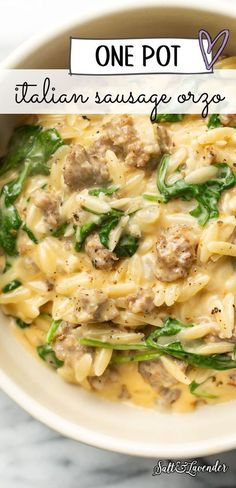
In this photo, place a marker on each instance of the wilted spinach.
(29, 149)
(207, 194)
(47, 354)
(170, 327)
(60, 230)
(8, 265)
(214, 121)
(169, 118)
(32, 160)
(109, 222)
(85, 341)
(32, 144)
(127, 246)
(10, 223)
(52, 330)
(29, 233)
(197, 390)
(11, 286)
(213, 361)
(108, 190)
(19, 147)
(152, 349)
(22, 324)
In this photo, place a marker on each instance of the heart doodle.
(203, 34)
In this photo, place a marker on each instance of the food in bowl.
(118, 253)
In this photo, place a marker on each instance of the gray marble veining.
(31, 455)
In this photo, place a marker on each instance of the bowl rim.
(109, 442)
(34, 42)
(11, 388)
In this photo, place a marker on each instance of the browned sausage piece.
(134, 140)
(142, 301)
(176, 252)
(228, 120)
(164, 140)
(155, 374)
(49, 204)
(100, 256)
(82, 170)
(168, 396)
(94, 305)
(66, 343)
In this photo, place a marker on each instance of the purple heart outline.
(204, 34)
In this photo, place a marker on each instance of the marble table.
(31, 455)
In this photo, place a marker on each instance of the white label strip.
(137, 56)
(55, 91)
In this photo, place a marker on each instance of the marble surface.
(31, 455)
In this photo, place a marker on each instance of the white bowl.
(68, 409)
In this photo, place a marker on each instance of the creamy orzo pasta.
(118, 256)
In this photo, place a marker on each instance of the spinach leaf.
(114, 212)
(175, 349)
(195, 389)
(207, 194)
(32, 144)
(19, 146)
(127, 246)
(109, 221)
(169, 117)
(60, 230)
(178, 189)
(11, 286)
(29, 150)
(52, 331)
(47, 354)
(106, 227)
(214, 121)
(45, 314)
(82, 232)
(152, 349)
(180, 168)
(145, 356)
(29, 233)
(93, 212)
(45, 144)
(22, 324)
(109, 190)
(104, 224)
(10, 223)
(148, 355)
(11, 190)
(213, 361)
(7, 266)
(85, 341)
(153, 197)
(170, 327)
